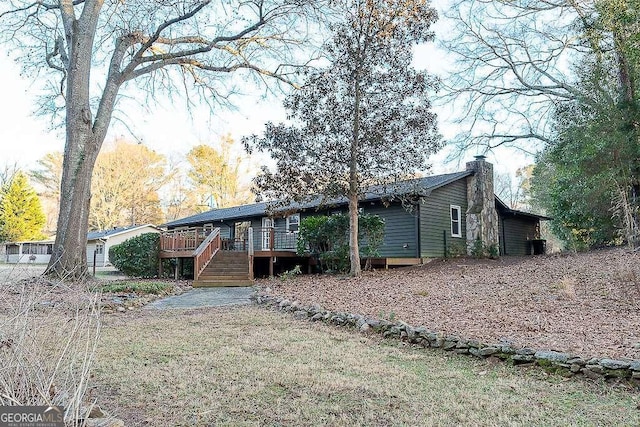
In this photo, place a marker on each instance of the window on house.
(456, 230)
(293, 223)
(36, 248)
(240, 228)
(99, 248)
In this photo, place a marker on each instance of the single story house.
(98, 244)
(428, 217)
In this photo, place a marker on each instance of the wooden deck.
(204, 244)
(198, 243)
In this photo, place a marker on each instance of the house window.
(37, 248)
(240, 229)
(456, 230)
(99, 248)
(293, 223)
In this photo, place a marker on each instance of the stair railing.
(205, 252)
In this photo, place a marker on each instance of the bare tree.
(558, 76)
(515, 190)
(7, 173)
(98, 47)
(126, 181)
(47, 177)
(513, 63)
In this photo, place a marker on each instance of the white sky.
(171, 130)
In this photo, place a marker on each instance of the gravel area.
(586, 304)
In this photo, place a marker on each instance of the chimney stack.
(482, 217)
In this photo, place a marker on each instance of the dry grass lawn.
(250, 366)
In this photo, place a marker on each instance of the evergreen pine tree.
(21, 215)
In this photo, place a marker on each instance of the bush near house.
(327, 237)
(137, 256)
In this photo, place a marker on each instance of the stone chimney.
(482, 217)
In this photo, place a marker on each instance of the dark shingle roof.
(105, 234)
(506, 210)
(419, 186)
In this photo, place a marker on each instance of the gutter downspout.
(417, 225)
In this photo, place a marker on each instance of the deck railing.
(183, 240)
(274, 239)
(206, 251)
(256, 240)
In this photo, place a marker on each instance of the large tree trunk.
(69, 258)
(82, 145)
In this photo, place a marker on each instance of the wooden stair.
(227, 268)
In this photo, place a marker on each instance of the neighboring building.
(424, 218)
(39, 252)
(35, 252)
(99, 242)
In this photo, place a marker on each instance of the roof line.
(245, 211)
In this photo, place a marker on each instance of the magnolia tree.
(363, 120)
(95, 49)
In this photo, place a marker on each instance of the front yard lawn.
(250, 366)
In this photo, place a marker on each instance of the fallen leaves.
(585, 303)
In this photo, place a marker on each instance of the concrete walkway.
(205, 297)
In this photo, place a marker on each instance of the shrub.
(336, 260)
(327, 237)
(455, 250)
(480, 250)
(138, 256)
(477, 249)
(290, 274)
(371, 228)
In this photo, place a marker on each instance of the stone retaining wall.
(553, 361)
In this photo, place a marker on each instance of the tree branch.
(146, 44)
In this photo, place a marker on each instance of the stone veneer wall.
(481, 215)
(554, 361)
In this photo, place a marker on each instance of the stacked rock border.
(552, 361)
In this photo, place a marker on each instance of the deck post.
(272, 238)
(250, 251)
(270, 266)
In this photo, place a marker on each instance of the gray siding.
(225, 229)
(256, 224)
(400, 230)
(515, 234)
(435, 219)
(400, 227)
